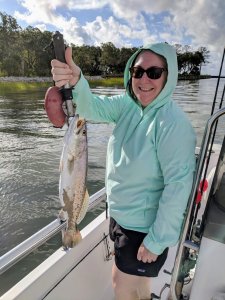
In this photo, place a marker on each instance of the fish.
(73, 194)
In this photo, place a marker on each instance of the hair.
(129, 83)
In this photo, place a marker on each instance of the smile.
(145, 89)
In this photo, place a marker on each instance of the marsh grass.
(21, 86)
(107, 82)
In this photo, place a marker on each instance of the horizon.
(129, 24)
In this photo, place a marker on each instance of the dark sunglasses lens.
(137, 72)
(154, 73)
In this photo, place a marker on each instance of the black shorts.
(126, 245)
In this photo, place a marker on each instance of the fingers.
(61, 73)
(139, 254)
(61, 78)
(145, 255)
(61, 69)
(61, 83)
(58, 64)
(65, 73)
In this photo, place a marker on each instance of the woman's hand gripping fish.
(72, 185)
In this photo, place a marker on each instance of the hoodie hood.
(169, 53)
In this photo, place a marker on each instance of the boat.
(194, 269)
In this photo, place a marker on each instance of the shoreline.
(89, 78)
(25, 79)
(38, 79)
(32, 83)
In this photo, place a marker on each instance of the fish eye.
(84, 132)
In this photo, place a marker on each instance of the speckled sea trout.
(72, 184)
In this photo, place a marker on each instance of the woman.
(150, 162)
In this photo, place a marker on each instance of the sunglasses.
(152, 72)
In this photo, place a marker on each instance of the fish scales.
(73, 193)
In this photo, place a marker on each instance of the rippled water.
(30, 150)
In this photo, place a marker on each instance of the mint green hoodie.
(150, 159)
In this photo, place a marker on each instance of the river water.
(30, 149)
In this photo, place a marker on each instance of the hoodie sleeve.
(176, 154)
(94, 107)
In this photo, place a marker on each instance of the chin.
(145, 102)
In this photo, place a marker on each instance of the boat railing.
(39, 238)
(183, 242)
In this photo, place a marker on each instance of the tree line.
(25, 52)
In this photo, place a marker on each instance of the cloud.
(73, 32)
(45, 11)
(95, 32)
(130, 10)
(37, 11)
(201, 20)
(119, 34)
(86, 4)
(196, 22)
(66, 4)
(42, 27)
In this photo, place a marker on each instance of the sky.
(127, 23)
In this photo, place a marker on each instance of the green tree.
(22, 53)
(43, 54)
(88, 59)
(124, 55)
(190, 62)
(179, 48)
(36, 61)
(9, 45)
(110, 58)
(195, 61)
(205, 54)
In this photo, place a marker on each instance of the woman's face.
(146, 89)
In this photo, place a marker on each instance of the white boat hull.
(84, 273)
(80, 273)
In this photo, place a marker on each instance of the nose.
(145, 77)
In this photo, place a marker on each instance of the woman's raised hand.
(64, 73)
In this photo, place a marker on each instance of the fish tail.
(71, 238)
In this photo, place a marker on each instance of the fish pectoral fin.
(63, 215)
(83, 208)
(70, 157)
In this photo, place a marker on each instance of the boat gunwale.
(26, 247)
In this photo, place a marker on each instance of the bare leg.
(129, 287)
(144, 288)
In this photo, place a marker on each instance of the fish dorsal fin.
(83, 208)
